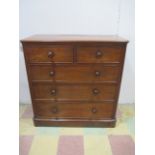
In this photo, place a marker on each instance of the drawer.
(100, 54)
(75, 73)
(74, 110)
(49, 54)
(74, 92)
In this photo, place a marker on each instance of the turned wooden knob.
(96, 91)
(97, 73)
(52, 73)
(94, 110)
(99, 54)
(53, 91)
(51, 54)
(54, 110)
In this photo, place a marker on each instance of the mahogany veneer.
(74, 80)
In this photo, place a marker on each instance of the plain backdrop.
(110, 17)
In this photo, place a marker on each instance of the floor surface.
(78, 141)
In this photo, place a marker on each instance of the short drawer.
(74, 110)
(49, 54)
(100, 54)
(75, 73)
(74, 92)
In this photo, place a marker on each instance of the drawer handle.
(96, 91)
(51, 54)
(54, 110)
(97, 73)
(53, 92)
(94, 110)
(99, 54)
(52, 73)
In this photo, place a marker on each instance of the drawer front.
(75, 73)
(79, 92)
(58, 110)
(49, 54)
(99, 54)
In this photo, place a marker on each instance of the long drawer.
(74, 110)
(75, 92)
(75, 73)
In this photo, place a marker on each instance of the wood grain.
(74, 110)
(77, 92)
(74, 80)
(85, 73)
(41, 54)
(108, 54)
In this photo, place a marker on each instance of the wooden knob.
(99, 54)
(52, 73)
(97, 73)
(53, 91)
(54, 110)
(51, 54)
(96, 91)
(94, 110)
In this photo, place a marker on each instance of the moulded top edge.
(74, 38)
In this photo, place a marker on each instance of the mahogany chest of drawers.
(74, 80)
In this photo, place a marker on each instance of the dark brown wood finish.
(88, 110)
(74, 80)
(100, 54)
(84, 73)
(55, 53)
(76, 92)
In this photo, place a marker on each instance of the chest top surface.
(74, 38)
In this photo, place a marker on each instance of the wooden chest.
(74, 80)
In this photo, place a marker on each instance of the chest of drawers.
(74, 80)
